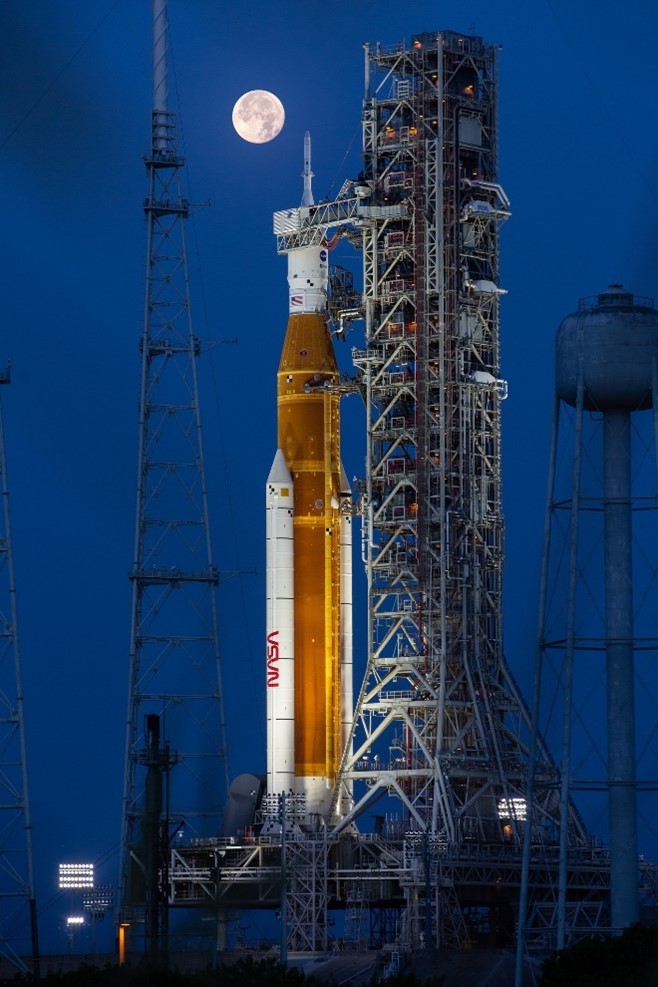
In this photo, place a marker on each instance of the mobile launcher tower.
(437, 749)
(439, 723)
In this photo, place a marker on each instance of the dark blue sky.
(578, 154)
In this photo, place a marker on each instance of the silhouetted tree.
(631, 958)
(244, 972)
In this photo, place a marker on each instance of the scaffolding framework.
(174, 651)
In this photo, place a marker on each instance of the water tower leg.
(620, 670)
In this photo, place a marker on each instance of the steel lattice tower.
(175, 760)
(440, 724)
(437, 685)
(18, 920)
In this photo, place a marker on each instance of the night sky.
(578, 137)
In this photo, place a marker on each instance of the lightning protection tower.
(175, 757)
(441, 732)
(18, 918)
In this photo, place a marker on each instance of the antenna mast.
(18, 917)
(180, 783)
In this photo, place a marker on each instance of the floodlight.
(512, 808)
(99, 900)
(73, 877)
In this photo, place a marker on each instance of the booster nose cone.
(279, 472)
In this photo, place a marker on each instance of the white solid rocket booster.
(280, 629)
(346, 669)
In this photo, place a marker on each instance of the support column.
(620, 670)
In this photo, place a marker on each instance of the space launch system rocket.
(309, 553)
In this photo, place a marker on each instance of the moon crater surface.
(258, 116)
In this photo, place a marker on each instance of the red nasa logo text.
(272, 659)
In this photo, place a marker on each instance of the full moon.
(258, 116)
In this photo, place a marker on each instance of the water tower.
(597, 620)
